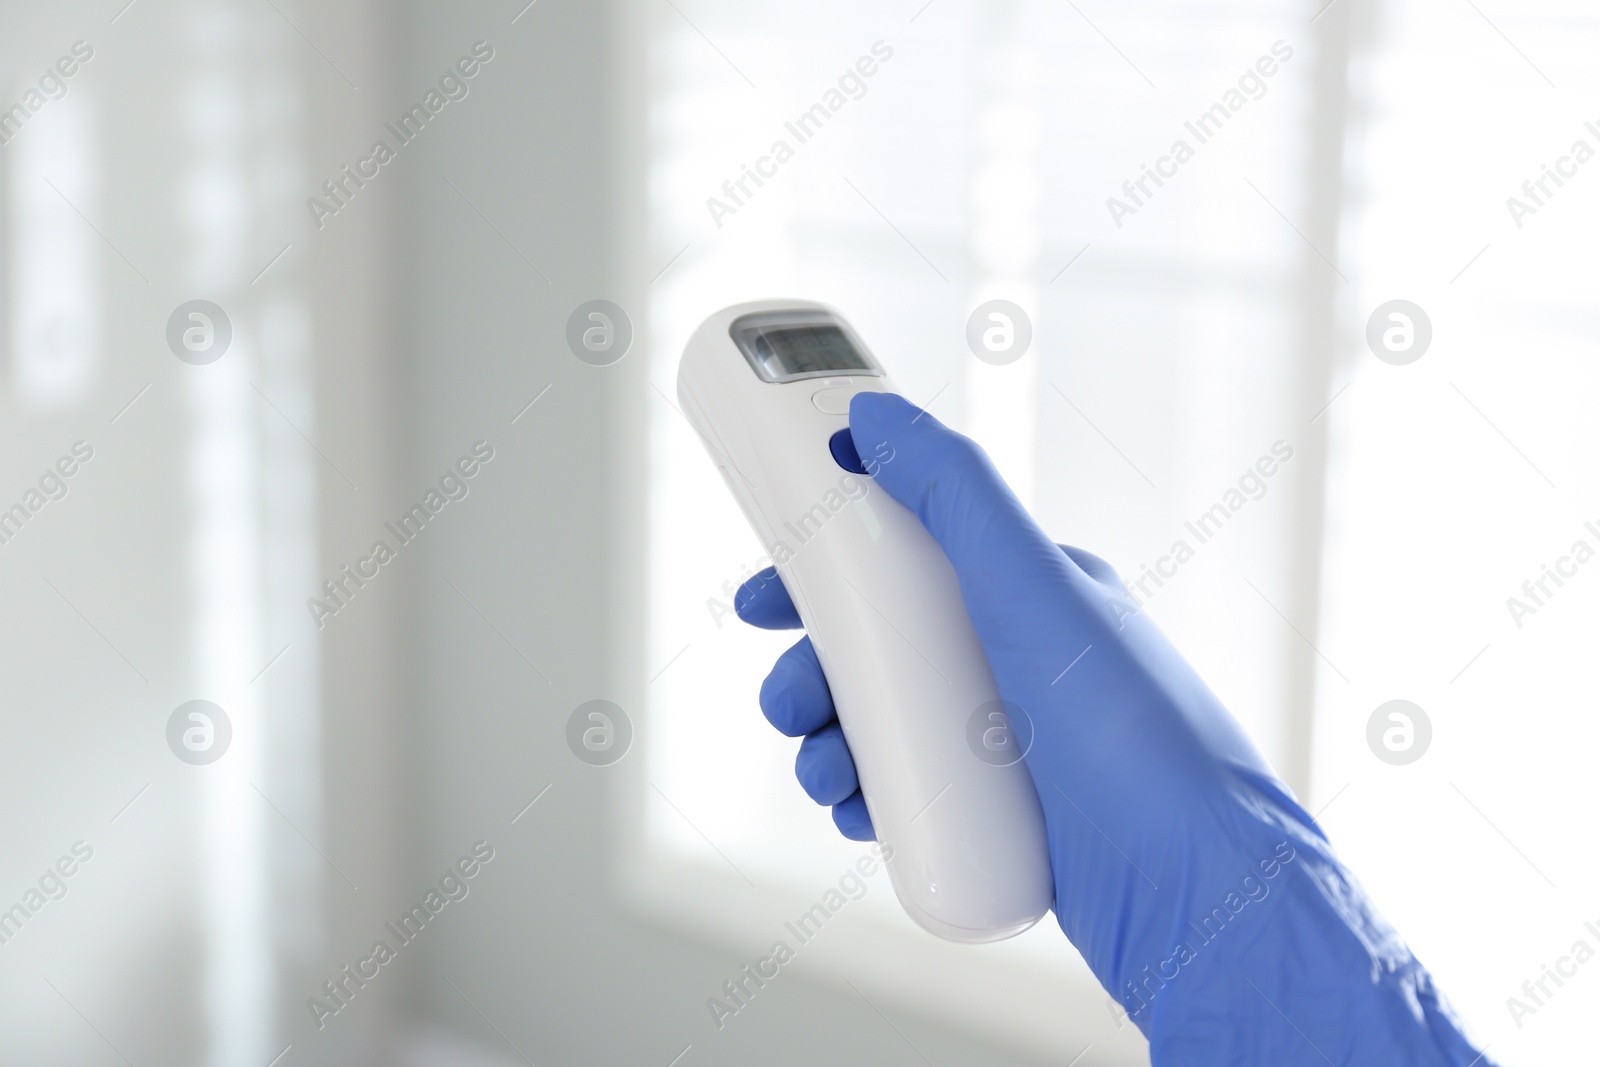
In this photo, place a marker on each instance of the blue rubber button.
(844, 452)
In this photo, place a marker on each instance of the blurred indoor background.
(370, 323)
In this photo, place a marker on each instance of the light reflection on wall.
(56, 258)
(224, 480)
(1001, 402)
(253, 489)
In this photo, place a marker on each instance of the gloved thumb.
(1006, 565)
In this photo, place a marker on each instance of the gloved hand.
(1202, 895)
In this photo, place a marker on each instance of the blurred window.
(976, 162)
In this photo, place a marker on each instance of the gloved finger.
(824, 766)
(763, 601)
(1094, 566)
(795, 696)
(850, 816)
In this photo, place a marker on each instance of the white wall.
(175, 167)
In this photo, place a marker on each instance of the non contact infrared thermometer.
(768, 387)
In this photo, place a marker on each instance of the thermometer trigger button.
(833, 401)
(843, 447)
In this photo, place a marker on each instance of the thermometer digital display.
(788, 347)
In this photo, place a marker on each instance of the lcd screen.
(783, 351)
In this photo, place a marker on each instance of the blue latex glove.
(1200, 892)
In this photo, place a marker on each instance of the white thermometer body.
(768, 387)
